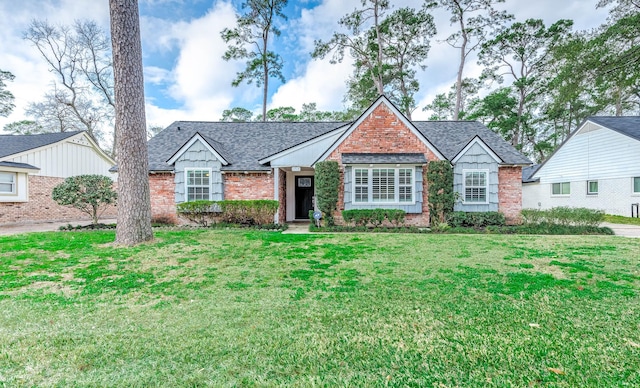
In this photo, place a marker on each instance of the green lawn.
(621, 220)
(236, 308)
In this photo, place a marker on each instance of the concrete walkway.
(624, 230)
(297, 228)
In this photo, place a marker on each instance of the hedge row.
(563, 215)
(245, 212)
(475, 219)
(373, 217)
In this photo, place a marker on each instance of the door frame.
(291, 192)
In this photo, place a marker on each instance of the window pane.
(6, 188)
(7, 182)
(636, 184)
(475, 186)
(566, 188)
(197, 185)
(592, 187)
(383, 185)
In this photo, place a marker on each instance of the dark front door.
(304, 196)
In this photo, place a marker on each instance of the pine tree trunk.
(134, 205)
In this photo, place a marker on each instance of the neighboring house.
(382, 158)
(597, 166)
(32, 165)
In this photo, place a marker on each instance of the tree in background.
(386, 51)
(522, 53)
(88, 193)
(134, 204)
(250, 40)
(6, 97)
(443, 105)
(477, 21)
(236, 114)
(81, 97)
(24, 127)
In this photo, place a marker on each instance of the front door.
(304, 196)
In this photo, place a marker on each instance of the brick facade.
(510, 193)
(163, 204)
(282, 197)
(41, 207)
(384, 132)
(248, 186)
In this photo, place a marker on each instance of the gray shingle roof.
(243, 144)
(450, 137)
(627, 125)
(14, 144)
(18, 165)
(527, 173)
(357, 158)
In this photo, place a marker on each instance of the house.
(32, 165)
(597, 167)
(382, 158)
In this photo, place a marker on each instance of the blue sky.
(186, 78)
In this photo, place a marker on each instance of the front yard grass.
(250, 308)
(621, 220)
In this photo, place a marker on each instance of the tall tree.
(476, 20)
(443, 105)
(406, 35)
(80, 59)
(387, 49)
(522, 53)
(363, 40)
(250, 40)
(134, 204)
(236, 114)
(6, 97)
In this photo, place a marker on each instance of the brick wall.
(510, 193)
(163, 205)
(248, 186)
(41, 207)
(384, 132)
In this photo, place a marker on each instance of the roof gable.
(15, 144)
(625, 125)
(210, 144)
(477, 140)
(382, 100)
(18, 145)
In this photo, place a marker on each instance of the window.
(383, 185)
(636, 185)
(198, 184)
(561, 188)
(8, 182)
(592, 187)
(475, 186)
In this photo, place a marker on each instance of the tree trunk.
(463, 59)
(134, 205)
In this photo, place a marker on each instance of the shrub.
(201, 212)
(327, 181)
(475, 219)
(373, 217)
(563, 215)
(88, 193)
(246, 212)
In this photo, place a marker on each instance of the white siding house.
(597, 167)
(31, 165)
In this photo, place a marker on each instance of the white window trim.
(14, 184)
(560, 183)
(589, 192)
(186, 182)
(464, 186)
(633, 191)
(396, 183)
